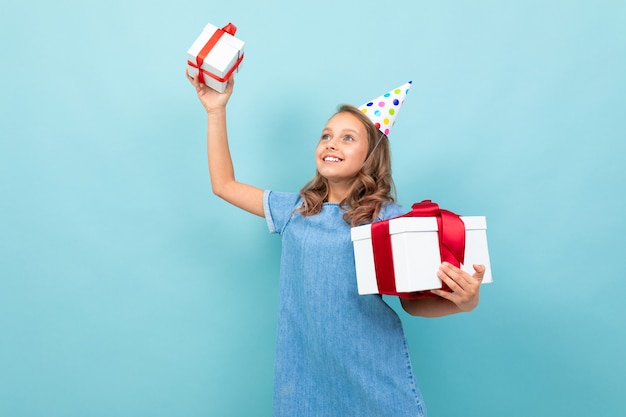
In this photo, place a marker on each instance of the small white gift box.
(219, 54)
(416, 256)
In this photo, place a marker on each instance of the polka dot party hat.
(383, 110)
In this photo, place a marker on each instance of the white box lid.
(361, 232)
(429, 224)
(416, 224)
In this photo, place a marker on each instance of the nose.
(331, 144)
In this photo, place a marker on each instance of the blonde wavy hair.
(372, 186)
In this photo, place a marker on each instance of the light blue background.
(128, 289)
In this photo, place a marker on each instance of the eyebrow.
(347, 130)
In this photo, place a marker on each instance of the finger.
(444, 294)
(460, 278)
(197, 84)
(450, 277)
(230, 84)
(480, 272)
(191, 79)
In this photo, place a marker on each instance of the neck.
(337, 192)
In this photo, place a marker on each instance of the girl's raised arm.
(221, 169)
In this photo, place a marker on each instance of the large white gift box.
(416, 256)
(220, 54)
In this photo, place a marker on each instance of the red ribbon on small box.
(451, 233)
(230, 29)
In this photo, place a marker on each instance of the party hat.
(383, 110)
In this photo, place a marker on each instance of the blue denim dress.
(338, 353)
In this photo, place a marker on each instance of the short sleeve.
(390, 211)
(279, 208)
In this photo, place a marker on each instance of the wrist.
(212, 112)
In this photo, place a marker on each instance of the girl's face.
(342, 148)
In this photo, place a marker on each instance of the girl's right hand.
(212, 100)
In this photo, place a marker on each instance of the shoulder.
(389, 211)
(278, 208)
(281, 200)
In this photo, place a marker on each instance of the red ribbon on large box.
(451, 233)
(230, 29)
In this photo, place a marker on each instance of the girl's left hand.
(465, 287)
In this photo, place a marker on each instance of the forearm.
(429, 307)
(218, 153)
(221, 169)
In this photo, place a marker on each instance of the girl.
(338, 353)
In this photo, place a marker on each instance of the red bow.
(451, 233)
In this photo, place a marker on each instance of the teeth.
(331, 159)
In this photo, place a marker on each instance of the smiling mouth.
(332, 159)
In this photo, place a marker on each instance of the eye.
(348, 138)
(325, 137)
